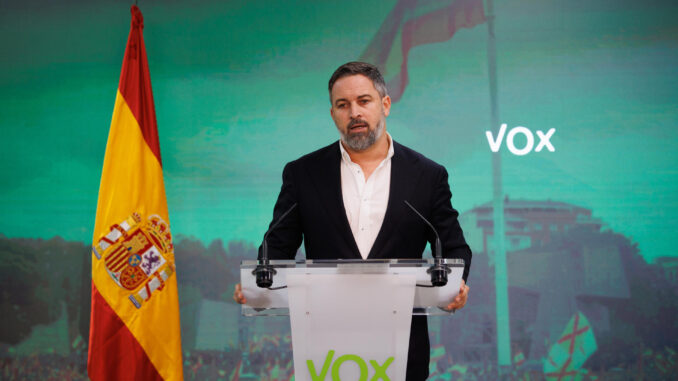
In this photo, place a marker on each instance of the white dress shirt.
(365, 201)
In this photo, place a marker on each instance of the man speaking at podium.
(350, 196)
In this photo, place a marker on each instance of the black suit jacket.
(313, 182)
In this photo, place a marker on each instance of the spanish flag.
(412, 23)
(134, 322)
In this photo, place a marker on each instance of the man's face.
(358, 111)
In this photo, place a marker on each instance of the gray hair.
(352, 68)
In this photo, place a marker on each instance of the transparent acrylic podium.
(350, 319)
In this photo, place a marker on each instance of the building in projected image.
(669, 266)
(559, 261)
(528, 223)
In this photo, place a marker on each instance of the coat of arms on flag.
(138, 255)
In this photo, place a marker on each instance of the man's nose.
(355, 111)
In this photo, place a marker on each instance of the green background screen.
(240, 88)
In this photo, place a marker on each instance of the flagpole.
(500, 268)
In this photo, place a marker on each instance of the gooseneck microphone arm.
(437, 249)
(439, 270)
(264, 271)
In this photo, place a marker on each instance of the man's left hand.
(459, 300)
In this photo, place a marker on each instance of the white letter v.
(495, 144)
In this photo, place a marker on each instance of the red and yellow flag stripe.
(134, 328)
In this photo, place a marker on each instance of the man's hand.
(239, 297)
(459, 300)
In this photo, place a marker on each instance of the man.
(351, 196)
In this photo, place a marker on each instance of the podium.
(350, 319)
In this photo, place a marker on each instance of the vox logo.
(544, 140)
(379, 370)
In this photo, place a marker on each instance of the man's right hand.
(238, 296)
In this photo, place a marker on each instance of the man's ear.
(386, 103)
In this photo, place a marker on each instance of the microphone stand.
(264, 271)
(439, 270)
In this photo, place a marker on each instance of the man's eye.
(341, 105)
(364, 101)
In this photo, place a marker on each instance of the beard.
(361, 141)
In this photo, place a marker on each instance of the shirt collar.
(347, 158)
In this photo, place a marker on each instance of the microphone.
(264, 271)
(439, 270)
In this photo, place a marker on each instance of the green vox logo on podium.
(379, 370)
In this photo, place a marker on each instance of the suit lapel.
(403, 181)
(326, 178)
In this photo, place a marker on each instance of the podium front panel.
(350, 326)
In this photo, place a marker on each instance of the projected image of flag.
(412, 23)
